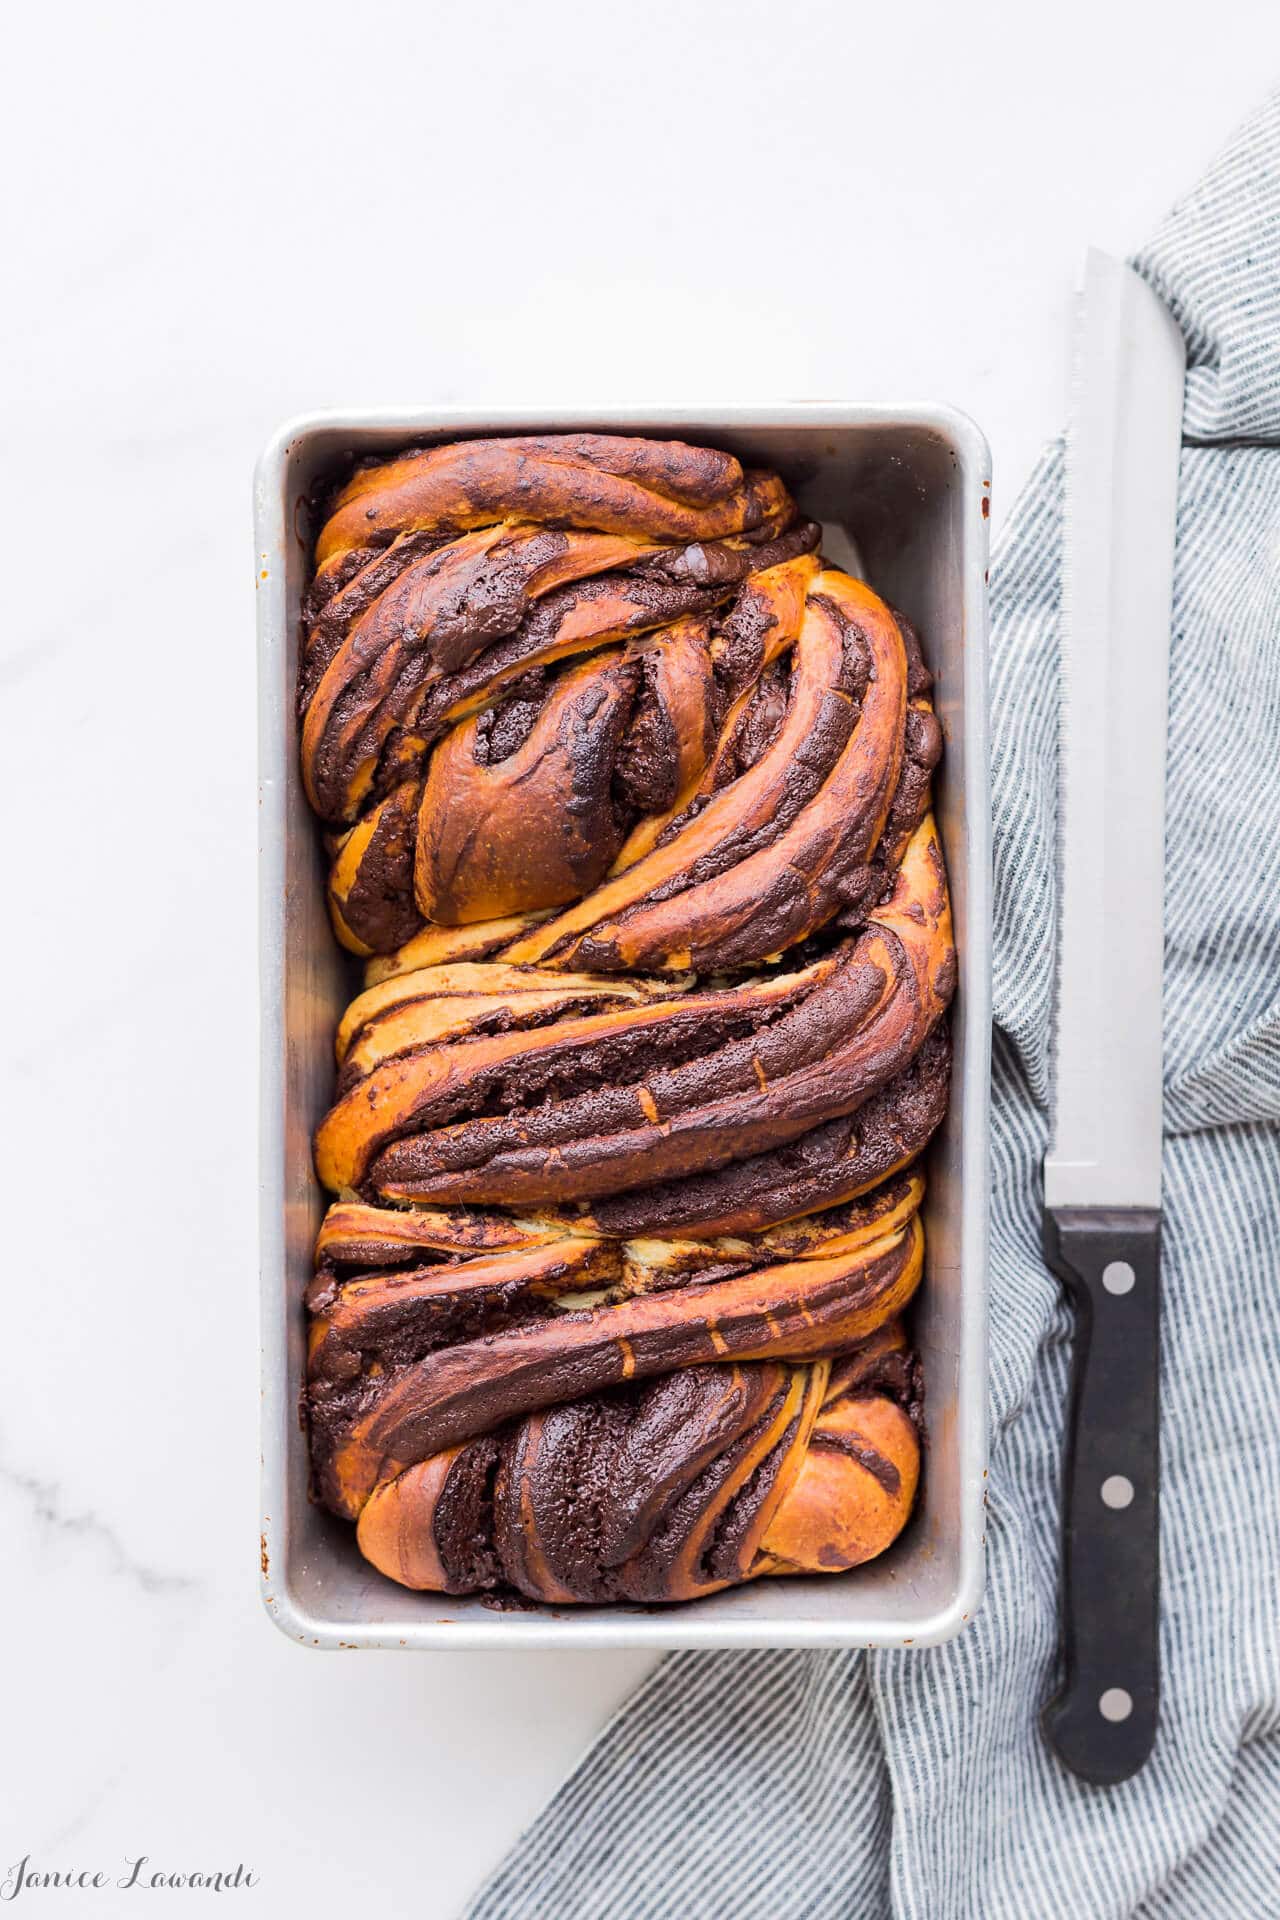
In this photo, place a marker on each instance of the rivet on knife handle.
(1102, 1723)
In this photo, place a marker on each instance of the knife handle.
(1102, 1722)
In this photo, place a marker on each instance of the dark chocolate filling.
(863, 1452)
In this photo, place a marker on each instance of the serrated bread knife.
(1102, 1171)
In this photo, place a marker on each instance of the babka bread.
(531, 1404)
(628, 807)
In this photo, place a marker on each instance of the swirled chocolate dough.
(610, 1308)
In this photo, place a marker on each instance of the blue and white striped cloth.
(762, 1786)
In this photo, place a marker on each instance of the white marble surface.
(217, 218)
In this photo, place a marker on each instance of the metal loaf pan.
(906, 491)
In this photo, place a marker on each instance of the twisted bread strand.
(672, 1084)
(510, 1353)
(530, 661)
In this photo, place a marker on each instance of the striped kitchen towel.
(735, 1786)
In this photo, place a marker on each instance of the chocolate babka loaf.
(628, 809)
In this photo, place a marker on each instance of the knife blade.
(1102, 1190)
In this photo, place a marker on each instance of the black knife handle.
(1102, 1722)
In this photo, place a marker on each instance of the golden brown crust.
(829, 1493)
(584, 1419)
(796, 1310)
(437, 946)
(406, 1011)
(453, 586)
(464, 1409)
(770, 1059)
(764, 890)
(538, 827)
(743, 801)
(651, 488)
(852, 1494)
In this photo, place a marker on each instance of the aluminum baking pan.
(909, 486)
